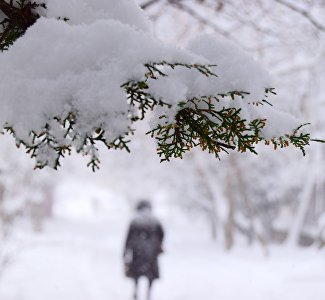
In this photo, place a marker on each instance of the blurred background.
(245, 226)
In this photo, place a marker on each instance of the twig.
(22, 17)
(148, 4)
(6, 8)
(198, 17)
(304, 13)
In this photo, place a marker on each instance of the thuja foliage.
(19, 15)
(199, 122)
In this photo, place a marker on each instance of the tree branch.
(22, 17)
(7, 9)
(198, 17)
(303, 12)
(149, 3)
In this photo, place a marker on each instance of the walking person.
(143, 246)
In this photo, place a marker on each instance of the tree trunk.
(229, 225)
(250, 207)
(304, 200)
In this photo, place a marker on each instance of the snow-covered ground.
(81, 260)
(78, 257)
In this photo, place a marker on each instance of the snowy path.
(78, 260)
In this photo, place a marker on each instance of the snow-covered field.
(79, 258)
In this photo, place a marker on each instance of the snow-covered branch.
(85, 80)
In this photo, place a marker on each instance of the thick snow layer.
(88, 11)
(237, 71)
(82, 259)
(56, 67)
(78, 256)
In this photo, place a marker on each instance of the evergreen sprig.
(139, 98)
(48, 149)
(156, 69)
(137, 91)
(200, 123)
(19, 15)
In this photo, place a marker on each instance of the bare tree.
(288, 37)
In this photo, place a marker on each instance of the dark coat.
(142, 247)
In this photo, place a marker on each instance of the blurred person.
(143, 246)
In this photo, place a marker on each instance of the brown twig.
(195, 15)
(148, 4)
(304, 13)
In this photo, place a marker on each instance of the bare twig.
(304, 13)
(149, 3)
(201, 19)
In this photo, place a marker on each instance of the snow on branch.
(83, 73)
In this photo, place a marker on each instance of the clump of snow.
(79, 65)
(89, 11)
(56, 67)
(237, 71)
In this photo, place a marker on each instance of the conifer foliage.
(199, 121)
(19, 15)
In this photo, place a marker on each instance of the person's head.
(143, 205)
